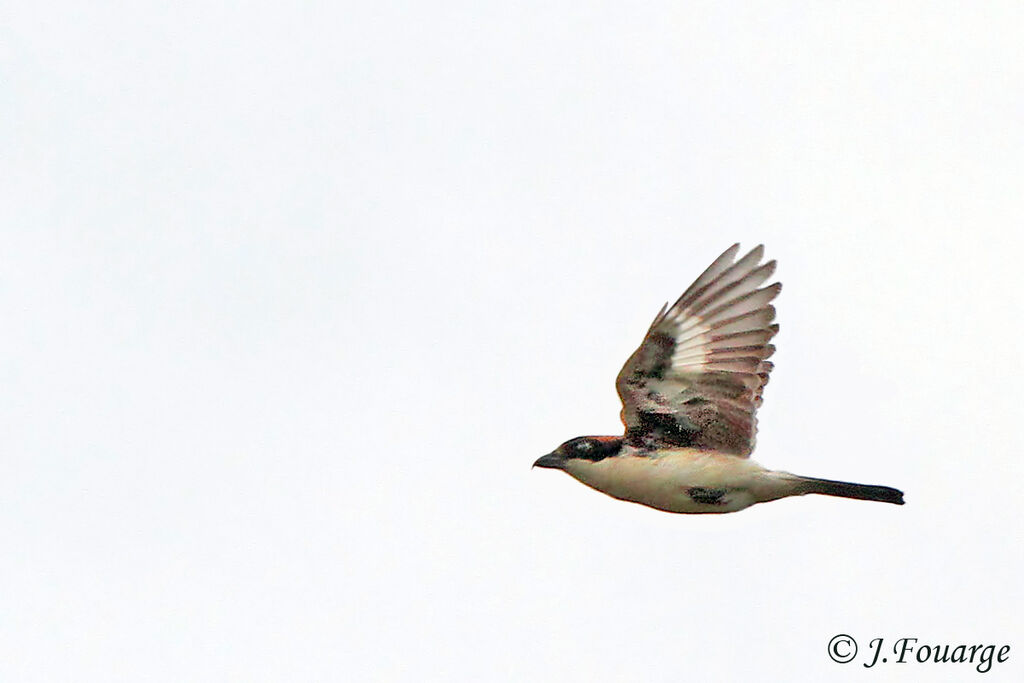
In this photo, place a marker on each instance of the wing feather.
(698, 377)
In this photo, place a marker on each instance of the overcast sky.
(293, 294)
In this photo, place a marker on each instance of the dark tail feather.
(842, 489)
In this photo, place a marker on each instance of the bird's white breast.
(665, 480)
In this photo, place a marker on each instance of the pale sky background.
(293, 294)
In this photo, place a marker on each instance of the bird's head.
(589, 448)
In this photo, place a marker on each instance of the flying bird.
(690, 395)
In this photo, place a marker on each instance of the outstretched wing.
(697, 378)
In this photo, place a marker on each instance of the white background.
(293, 294)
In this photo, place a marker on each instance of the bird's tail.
(842, 489)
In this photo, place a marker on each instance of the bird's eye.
(584, 446)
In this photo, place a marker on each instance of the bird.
(690, 394)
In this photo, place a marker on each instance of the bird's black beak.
(552, 460)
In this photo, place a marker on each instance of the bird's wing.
(697, 378)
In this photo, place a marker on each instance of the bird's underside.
(688, 480)
(680, 480)
(690, 395)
